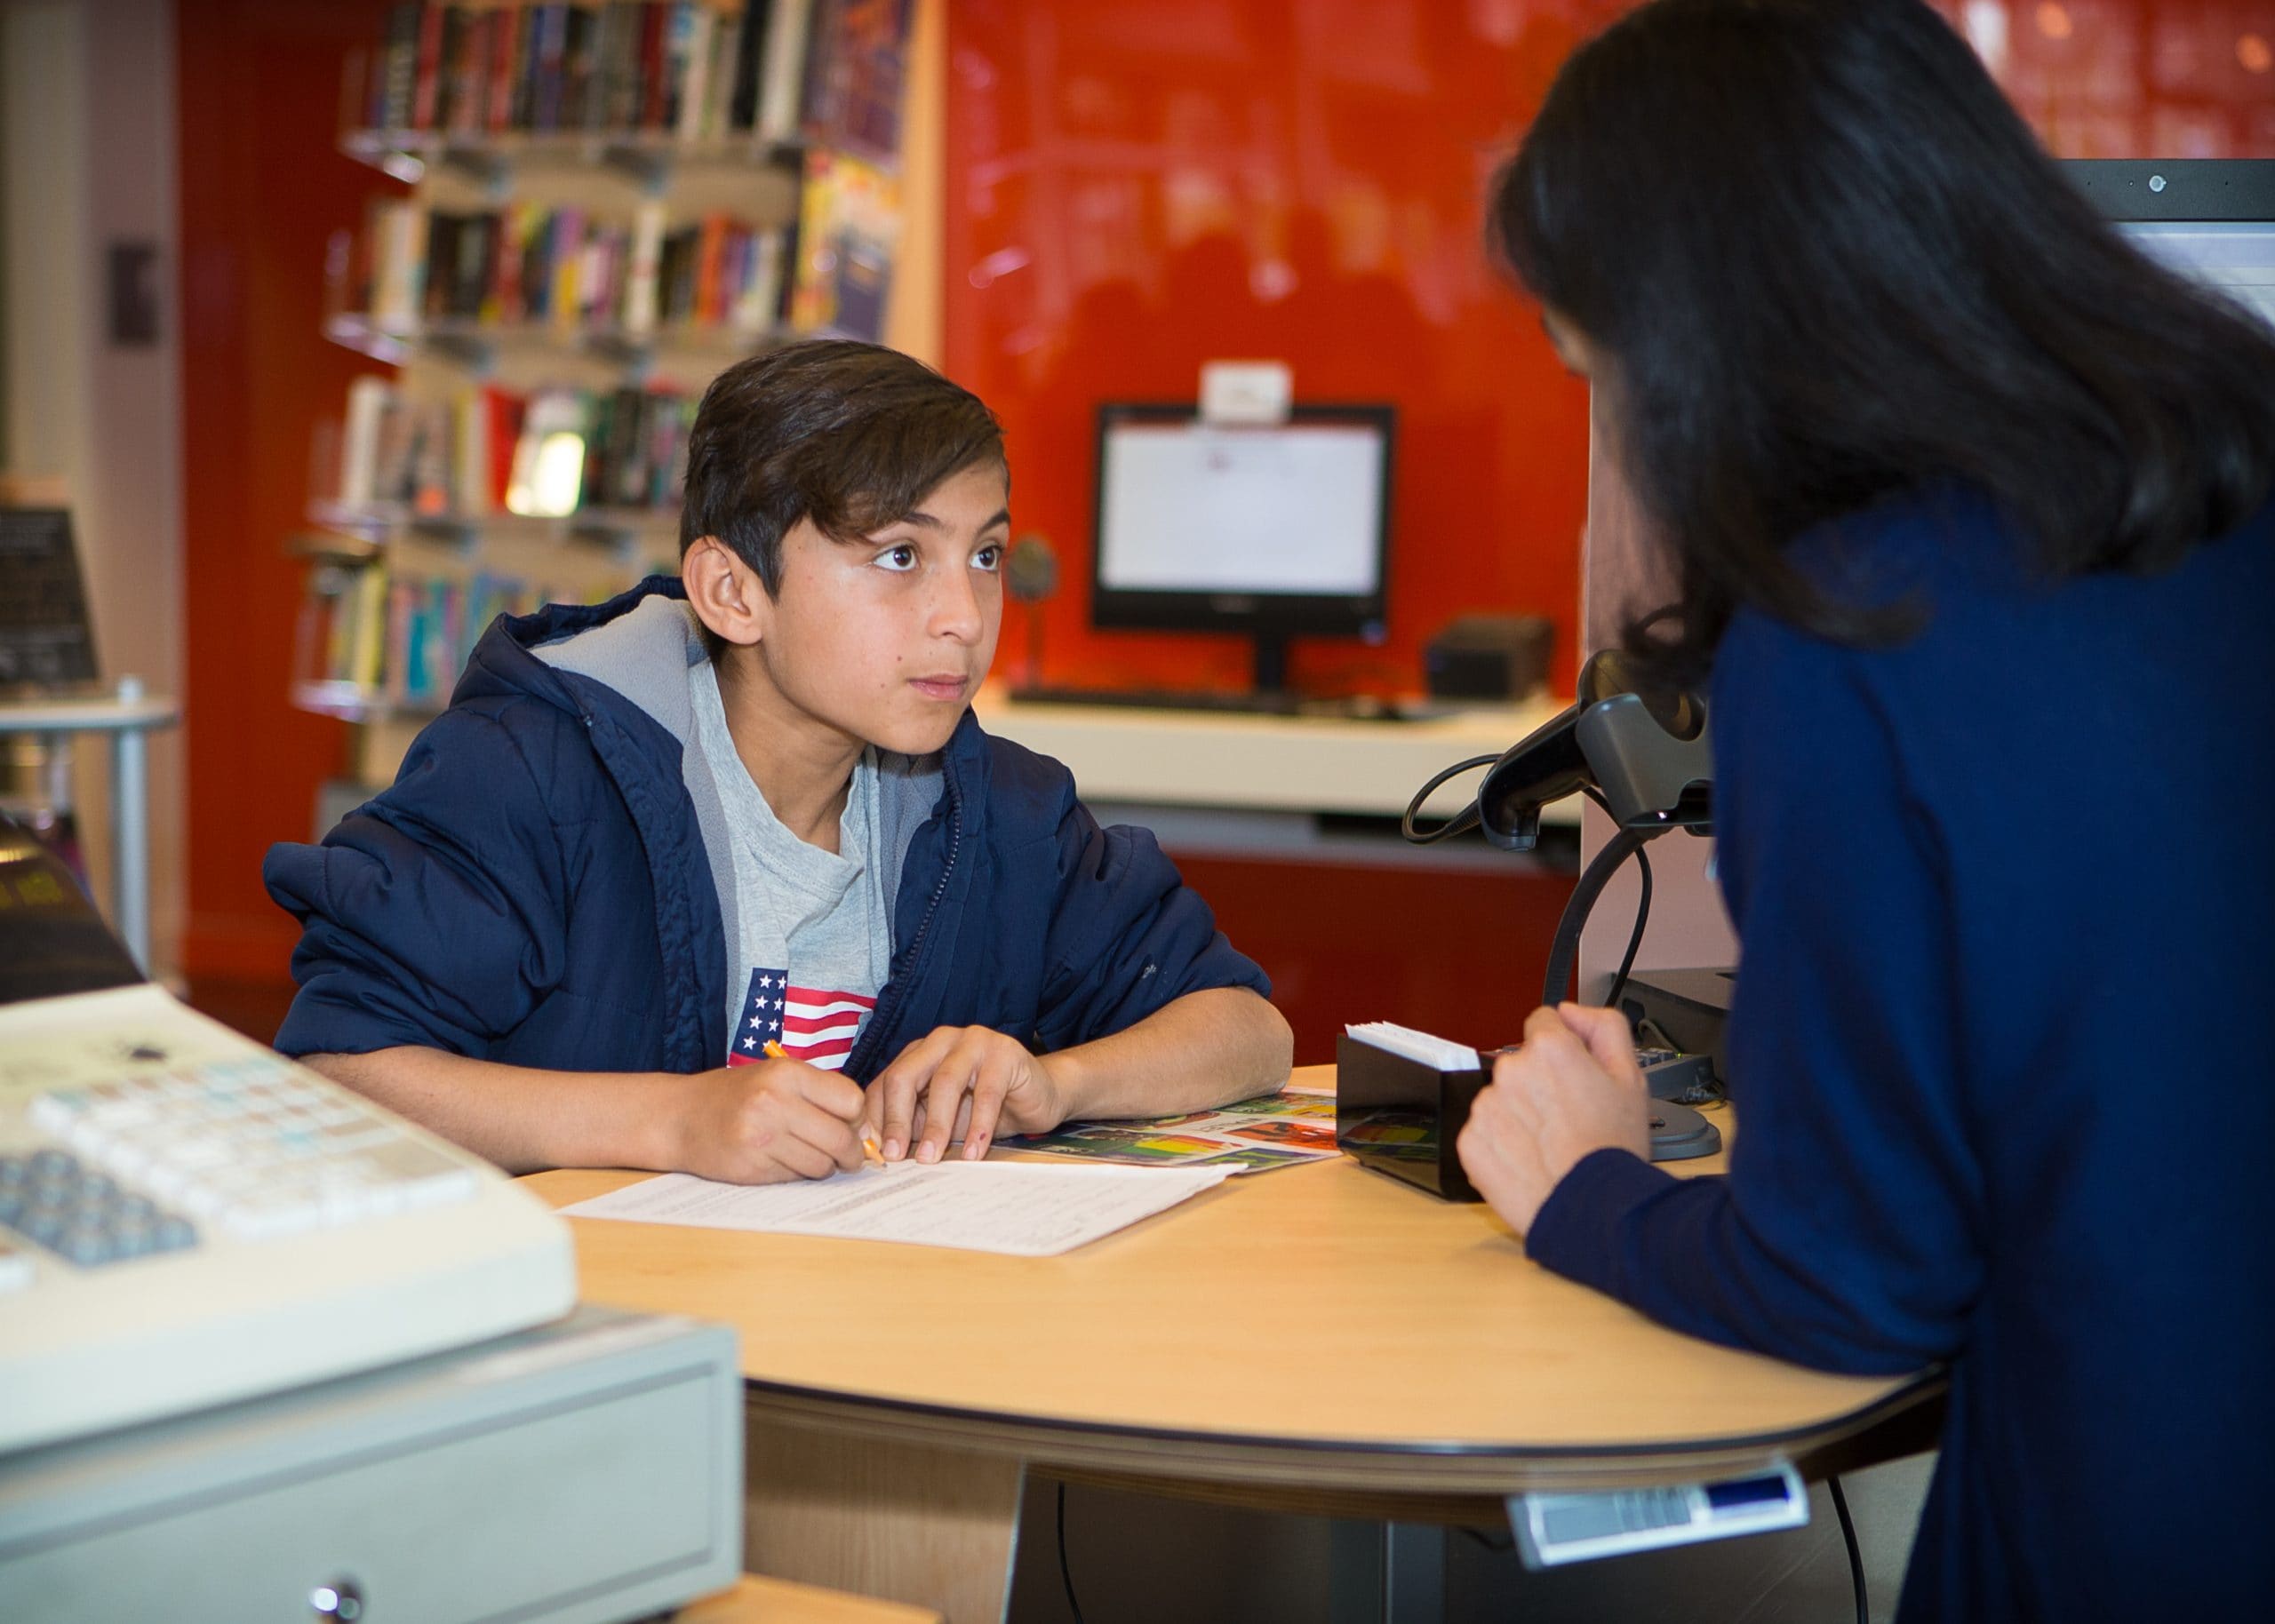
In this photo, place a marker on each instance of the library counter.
(1315, 1339)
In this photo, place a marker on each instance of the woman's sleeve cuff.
(1576, 1233)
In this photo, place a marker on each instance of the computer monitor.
(2209, 218)
(1271, 529)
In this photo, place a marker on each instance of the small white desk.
(127, 715)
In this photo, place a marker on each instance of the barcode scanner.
(1643, 747)
(1642, 751)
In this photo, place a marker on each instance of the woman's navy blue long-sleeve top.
(2004, 890)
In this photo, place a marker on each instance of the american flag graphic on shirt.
(811, 1025)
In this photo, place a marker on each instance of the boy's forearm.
(1205, 1049)
(521, 1118)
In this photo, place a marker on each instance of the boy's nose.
(956, 610)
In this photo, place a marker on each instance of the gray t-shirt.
(813, 929)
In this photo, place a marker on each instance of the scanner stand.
(1678, 1132)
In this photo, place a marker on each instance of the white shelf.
(605, 526)
(353, 701)
(407, 154)
(475, 342)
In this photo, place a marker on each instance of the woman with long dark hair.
(1966, 506)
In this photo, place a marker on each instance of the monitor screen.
(2235, 257)
(1271, 529)
(1191, 507)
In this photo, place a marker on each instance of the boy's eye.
(989, 557)
(902, 558)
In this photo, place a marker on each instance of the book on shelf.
(394, 72)
(372, 637)
(391, 261)
(417, 267)
(426, 84)
(368, 628)
(686, 69)
(856, 60)
(483, 451)
(780, 67)
(368, 400)
(639, 307)
(547, 477)
(848, 229)
(508, 46)
(692, 27)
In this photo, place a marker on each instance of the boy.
(749, 811)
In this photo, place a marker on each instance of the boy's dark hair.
(1826, 263)
(851, 435)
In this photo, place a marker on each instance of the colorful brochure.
(1276, 1130)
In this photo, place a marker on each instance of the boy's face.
(886, 638)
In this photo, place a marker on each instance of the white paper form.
(1020, 1209)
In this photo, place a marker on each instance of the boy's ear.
(725, 592)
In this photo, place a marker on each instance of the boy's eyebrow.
(919, 516)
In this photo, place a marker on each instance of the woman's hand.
(960, 1082)
(1573, 1088)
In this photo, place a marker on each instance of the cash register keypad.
(53, 1198)
(245, 1147)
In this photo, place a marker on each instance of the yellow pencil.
(869, 1151)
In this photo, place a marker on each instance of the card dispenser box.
(1400, 1116)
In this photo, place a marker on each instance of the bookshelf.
(588, 211)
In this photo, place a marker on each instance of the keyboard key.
(87, 1245)
(248, 1146)
(45, 1224)
(272, 1213)
(54, 1112)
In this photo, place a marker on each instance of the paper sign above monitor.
(1246, 391)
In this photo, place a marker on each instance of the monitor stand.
(1270, 664)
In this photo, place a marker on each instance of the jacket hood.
(638, 644)
(622, 664)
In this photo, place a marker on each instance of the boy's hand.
(960, 1082)
(768, 1123)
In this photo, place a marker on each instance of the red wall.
(2134, 78)
(1137, 188)
(262, 186)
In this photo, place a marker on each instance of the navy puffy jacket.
(533, 890)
